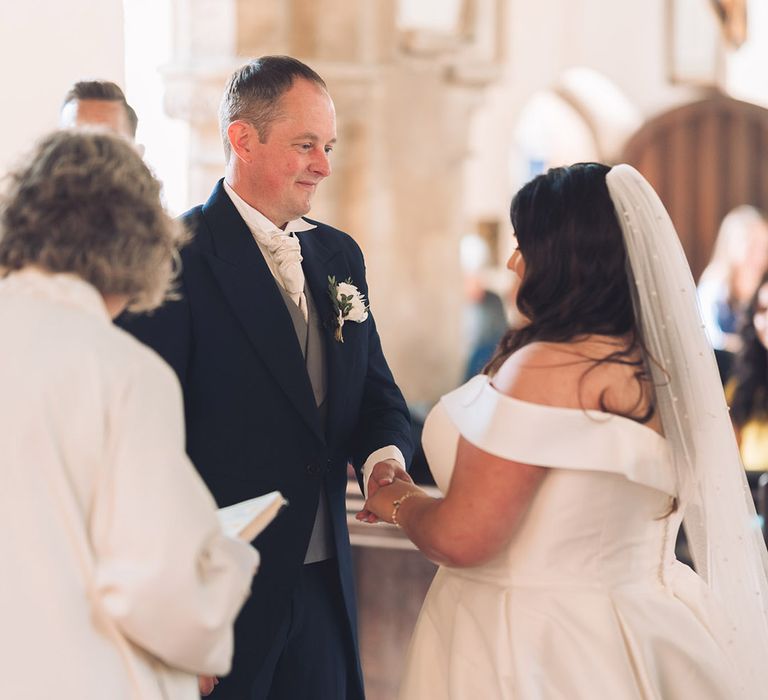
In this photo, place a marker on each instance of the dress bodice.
(603, 514)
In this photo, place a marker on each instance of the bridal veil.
(719, 517)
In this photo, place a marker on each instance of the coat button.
(312, 469)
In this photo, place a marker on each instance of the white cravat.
(281, 249)
(285, 250)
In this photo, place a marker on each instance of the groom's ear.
(243, 138)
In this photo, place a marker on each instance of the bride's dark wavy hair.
(575, 282)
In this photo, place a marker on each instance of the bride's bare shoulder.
(569, 375)
(540, 373)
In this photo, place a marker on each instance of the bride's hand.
(381, 503)
(383, 474)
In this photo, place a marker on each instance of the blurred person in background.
(117, 580)
(739, 259)
(98, 103)
(484, 317)
(747, 389)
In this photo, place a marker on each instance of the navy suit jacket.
(252, 423)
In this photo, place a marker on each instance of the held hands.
(382, 503)
(383, 474)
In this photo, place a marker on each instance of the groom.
(278, 394)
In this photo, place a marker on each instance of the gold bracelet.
(398, 502)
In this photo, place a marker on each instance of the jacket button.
(312, 469)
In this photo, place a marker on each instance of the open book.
(245, 520)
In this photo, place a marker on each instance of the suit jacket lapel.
(252, 293)
(320, 261)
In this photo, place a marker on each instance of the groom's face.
(287, 168)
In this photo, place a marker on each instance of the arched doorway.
(704, 159)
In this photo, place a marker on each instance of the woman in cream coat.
(117, 581)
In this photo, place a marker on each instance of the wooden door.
(704, 159)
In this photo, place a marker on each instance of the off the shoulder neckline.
(592, 413)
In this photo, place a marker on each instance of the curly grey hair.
(85, 203)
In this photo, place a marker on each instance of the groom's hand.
(382, 474)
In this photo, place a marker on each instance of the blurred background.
(445, 108)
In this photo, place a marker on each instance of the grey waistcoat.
(309, 335)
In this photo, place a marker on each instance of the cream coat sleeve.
(165, 574)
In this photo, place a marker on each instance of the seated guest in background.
(117, 580)
(485, 320)
(485, 324)
(98, 103)
(739, 259)
(747, 389)
(568, 468)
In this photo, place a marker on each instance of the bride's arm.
(489, 495)
(485, 503)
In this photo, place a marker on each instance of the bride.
(568, 468)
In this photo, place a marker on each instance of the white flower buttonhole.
(349, 304)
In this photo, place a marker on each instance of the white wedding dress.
(587, 601)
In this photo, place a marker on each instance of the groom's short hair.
(254, 90)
